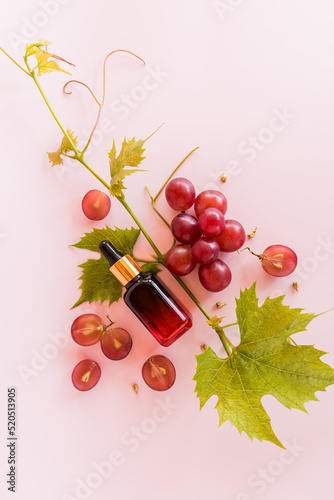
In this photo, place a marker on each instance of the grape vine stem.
(227, 326)
(171, 175)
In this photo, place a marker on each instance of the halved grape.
(205, 250)
(116, 343)
(87, 329)
(185, 228)
(180, 194)
(278, 260)
(233, 236)
(86, 375)
(96, 204)
(159, 373)
(211, 222)
(179, 260)
(216, 276)
(210, 198)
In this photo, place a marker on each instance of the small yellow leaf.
(46, 64)
(55, 158)
(65, 146)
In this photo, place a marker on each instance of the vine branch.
(171, 175)
(13, 60)
(79, 156)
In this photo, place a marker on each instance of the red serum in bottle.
(150, 300)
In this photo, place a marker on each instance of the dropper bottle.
(147, 297)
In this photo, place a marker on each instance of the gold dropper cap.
(125, 269)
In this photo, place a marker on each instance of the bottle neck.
(125, 269)
(135, 279)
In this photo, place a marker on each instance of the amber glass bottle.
(148, 298)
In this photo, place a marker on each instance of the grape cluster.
(201, 238)
(88, 329)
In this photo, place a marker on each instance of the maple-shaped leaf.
(265, 362)
(97, 281)
(122, 239)
(65, 147)
(131, 155)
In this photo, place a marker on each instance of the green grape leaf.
(131, 155)
(151, 267)
(65, 147)
(98, 284)
(122, 239)
(263, 363)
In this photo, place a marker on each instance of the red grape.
(233, 236)
(211, 222)
(279, 260)
(86, 375)
(205, 250)
(96, 205)
(159, 373)
(215, 276)
(180, 194)
(210, 198)
(116, 343)
(179, 260)
(185, 228)
(87, 329)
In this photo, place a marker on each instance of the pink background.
(226, 70)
